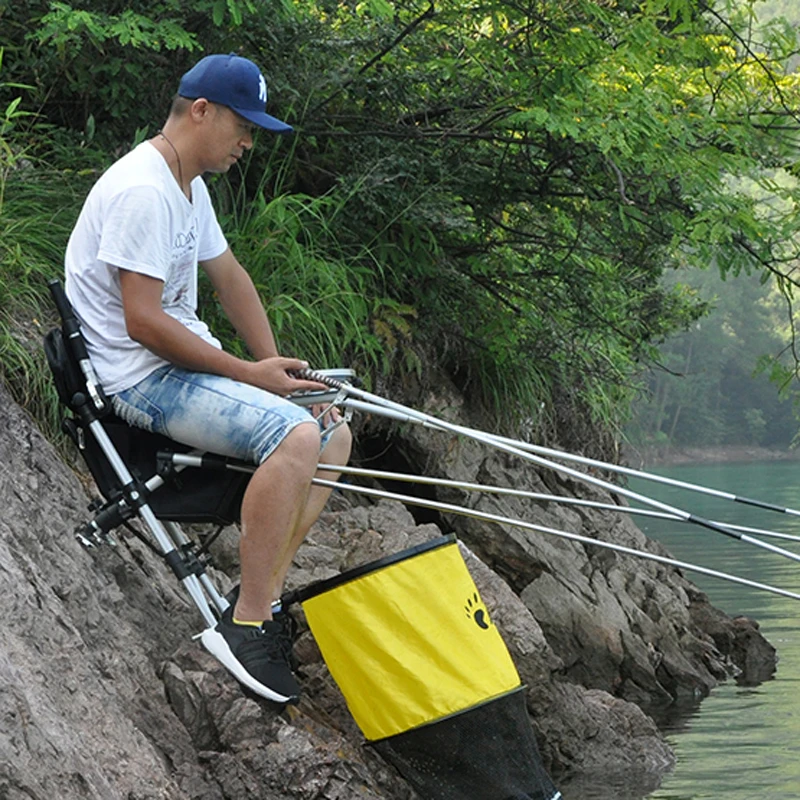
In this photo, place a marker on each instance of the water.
(740, 742)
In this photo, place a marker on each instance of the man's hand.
(332, 416)
(273, 374)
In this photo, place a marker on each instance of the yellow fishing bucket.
(427, 676)
(408, 639)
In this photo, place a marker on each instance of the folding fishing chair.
(148, 476)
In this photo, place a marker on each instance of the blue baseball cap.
(235, 82)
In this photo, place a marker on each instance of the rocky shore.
(643, 458)
(104, 695)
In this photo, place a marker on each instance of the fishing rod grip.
(714, 526)
(760, 504)
(308, 374)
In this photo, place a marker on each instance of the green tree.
(562, 159)
(508, 184)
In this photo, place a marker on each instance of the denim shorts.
(210, 412)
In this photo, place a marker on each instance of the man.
(131, 275)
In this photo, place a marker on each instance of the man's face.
(228, 136)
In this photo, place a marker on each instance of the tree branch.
(407, 31)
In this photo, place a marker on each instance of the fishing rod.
(629, 471)
(203, 460)
(372, 403)
(575, 537)
(550, 498)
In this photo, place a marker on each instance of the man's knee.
(337, 449)
(300, 447)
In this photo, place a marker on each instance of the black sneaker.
(288, 626)
(256, 656)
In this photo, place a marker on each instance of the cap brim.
(264, 121)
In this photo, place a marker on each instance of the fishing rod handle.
(308, 374)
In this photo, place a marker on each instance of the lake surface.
(739, 743)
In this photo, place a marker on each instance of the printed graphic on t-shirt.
(179, 283)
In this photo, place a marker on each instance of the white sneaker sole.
(215, 643)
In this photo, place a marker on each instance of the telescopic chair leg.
(181, 541)
(189, 572)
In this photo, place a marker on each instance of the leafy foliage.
(38, 205)
(494, 189)
(104, 67)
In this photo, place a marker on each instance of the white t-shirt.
(136, 217)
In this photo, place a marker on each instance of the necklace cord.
(177, 157)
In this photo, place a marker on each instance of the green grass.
(327, 302)
(36, 217)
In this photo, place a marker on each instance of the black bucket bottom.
(487, 752)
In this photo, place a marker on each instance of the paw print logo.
(476, 611)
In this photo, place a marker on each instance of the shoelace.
(283, 643)
(288, 625)
(280, 645)
(274, 646)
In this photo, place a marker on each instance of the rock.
(103, 693)
(82, 708)
(754, 656)
(253, 751)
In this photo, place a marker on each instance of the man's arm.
(241, 303)
(148, 324)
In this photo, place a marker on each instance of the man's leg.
(337, 451)
(241, 421)
(273, 510)
(234, 419)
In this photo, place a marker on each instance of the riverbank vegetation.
(492, 190)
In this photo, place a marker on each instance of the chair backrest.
(67, 375)
(194, 495)
(68, 358)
